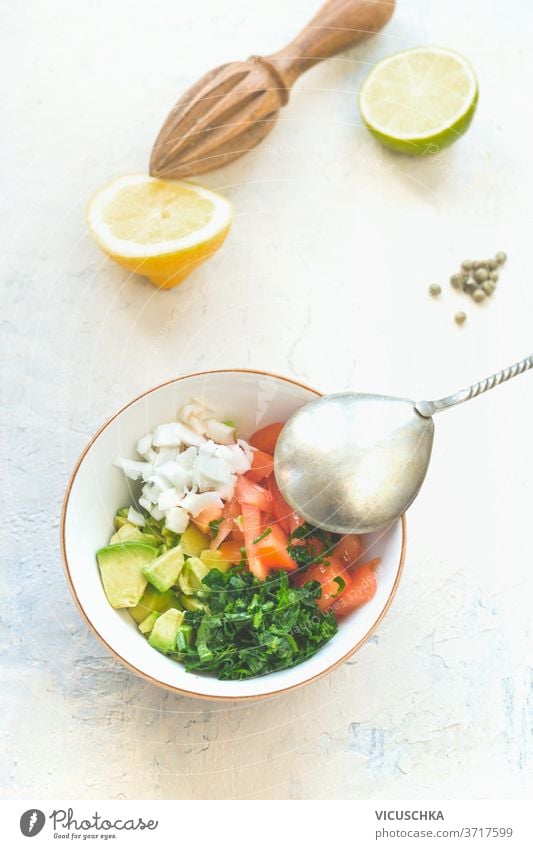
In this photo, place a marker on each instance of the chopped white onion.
(135, 517)
(220, 432)
(156, 513)
(179, 477)
(209, 471)
(169, 498)
(174, 434)
(238, 459)
(195, 503)
(133, 469)
(176, 519)
(166, 455)
(144, 446)
(188, 466)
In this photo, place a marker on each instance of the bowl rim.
(179, 690)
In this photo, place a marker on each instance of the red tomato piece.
(208, 514)
(360, 589)
(231, 551)
(251, 526)
(266, 438)
(224, 530)
(232, 509)
(272, 550)
(284, 514)
(333, 578)
(248, 492)
(348, 549)
(262, 466)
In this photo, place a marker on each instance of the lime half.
(420, 100)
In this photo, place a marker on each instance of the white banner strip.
(268, 824)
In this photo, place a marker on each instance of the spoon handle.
(427, 408)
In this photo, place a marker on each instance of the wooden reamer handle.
(337, 26)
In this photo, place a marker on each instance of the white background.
(324, 278)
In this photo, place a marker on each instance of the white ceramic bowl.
(97, 489)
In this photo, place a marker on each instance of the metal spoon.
(353, 463)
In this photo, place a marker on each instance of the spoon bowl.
(353, 463)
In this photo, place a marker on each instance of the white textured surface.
(323, 277)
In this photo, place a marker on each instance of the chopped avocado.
(214, 560)
(153, 600)
(184, 583)
(184, 637)
(196, 572)
(192, 603)
(119, 521)
(171, 539)
(165, 630)
(148, 623)
(191, 576)
(164, 571)
(193, 542)
(121, 570)
(127, 532)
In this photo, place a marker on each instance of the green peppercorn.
(494, 276)
(470, 286)
(434, 290)
(481, 274)
(457, 281)
(467, 264)
(488, 287)
(460, 317)
(492, 264)
(479, 295)
(500, 257)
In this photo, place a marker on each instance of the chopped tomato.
(348, 549)
(231, 551)
(285, 515)
(232, 509)
(266, 438)
(208, 514)
(224, 530)
(361, 588)
(251, 526)
(272, 550)
(248, 492)
(262, 466)
(333, 578)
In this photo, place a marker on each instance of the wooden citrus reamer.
(233, 107)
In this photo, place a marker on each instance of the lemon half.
(162, 229)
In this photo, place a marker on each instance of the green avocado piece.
(191, 603)
(165, 630)
(153, 600)
(164, 571)
(214, 560)
(195, 571)
(121, 568)
(184, 637)
(126, 532)
(148, 623)
(193, 541)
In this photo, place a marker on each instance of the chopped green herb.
(254, 627)
(262, 536)
(214, 526)
(230, 423)
(341, 584)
